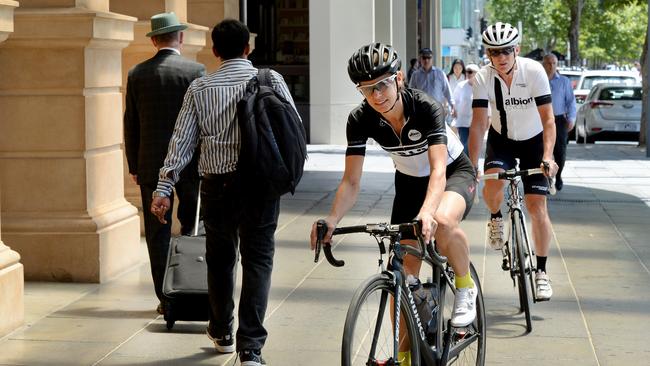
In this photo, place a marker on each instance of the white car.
(589, 78)
(610, 109)
(573, 75)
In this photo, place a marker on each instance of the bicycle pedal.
(505, 265)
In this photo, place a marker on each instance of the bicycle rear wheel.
(523, 282)
(369, 333)
(466, 345)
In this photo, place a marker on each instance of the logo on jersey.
(410, 152)
(414, 135)
(518, 103)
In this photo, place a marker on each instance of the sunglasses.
(380, 86)
(469, 72)
(494, 52)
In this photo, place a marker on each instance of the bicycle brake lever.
(321, 230)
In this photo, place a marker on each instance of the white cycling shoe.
(464, 307)
(496, 234)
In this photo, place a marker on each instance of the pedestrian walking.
(154, 94)
(456, 74)
(235, 220)
(463, 100)
(432, 81)
(564, 109)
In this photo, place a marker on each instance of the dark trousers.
(157, 234)
(561, 140)
(463, 134)
(231, 216)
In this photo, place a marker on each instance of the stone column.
(63, 205)
(140, 50)
(11, 271)
(332, 94)
(208, 13)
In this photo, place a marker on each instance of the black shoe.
(223, 344)
(251, 358)
(559, 184)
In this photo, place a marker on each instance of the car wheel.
(579, 139)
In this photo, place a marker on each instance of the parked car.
(590, 78)
(573, 75)
(610, 109)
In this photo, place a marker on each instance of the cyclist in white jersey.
(523, 126)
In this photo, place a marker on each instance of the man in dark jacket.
(154, 95)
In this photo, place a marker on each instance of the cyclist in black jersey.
(434, 179)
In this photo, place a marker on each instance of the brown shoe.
(161, 308)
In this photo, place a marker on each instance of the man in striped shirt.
(208, 118)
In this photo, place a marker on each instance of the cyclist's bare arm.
(346, 196)
(480, 124)
(435, 189)
(548, 123)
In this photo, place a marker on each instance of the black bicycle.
(517, 252)
(372, 334)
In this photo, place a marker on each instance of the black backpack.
(273, 140)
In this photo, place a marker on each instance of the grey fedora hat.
(165, 23)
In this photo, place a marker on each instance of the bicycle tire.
(523, 282)
(464, 354)
(530, 269)
(361, 325)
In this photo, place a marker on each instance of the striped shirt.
(209, 117)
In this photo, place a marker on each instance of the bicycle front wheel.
(523, 283)
(369, 332)
(466, 346)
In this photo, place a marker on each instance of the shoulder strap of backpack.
(264, 77)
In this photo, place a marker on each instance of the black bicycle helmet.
(372, 61)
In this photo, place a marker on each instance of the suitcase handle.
(195, 232)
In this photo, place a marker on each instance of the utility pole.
(646, 86)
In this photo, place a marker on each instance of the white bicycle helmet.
(500, 35)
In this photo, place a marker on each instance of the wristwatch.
(158, 194)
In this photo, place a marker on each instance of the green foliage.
(610, 30)
(614, 33)
(538, 18)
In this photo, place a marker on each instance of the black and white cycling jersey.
(425, 126)
(514, 109)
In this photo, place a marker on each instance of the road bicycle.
(372, 334)
(517, 252)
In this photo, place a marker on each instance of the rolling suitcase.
(185, 285)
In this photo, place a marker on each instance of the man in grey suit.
(154, 95)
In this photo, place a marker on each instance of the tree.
(575, 7)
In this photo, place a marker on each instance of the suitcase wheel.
(170, 324)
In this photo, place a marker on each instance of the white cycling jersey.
(514, 109)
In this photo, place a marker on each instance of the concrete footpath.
(600, 255)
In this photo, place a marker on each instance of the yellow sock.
(404, 358)
(464, 281)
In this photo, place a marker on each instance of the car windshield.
(574, 79)
(620, 94)
(590, 81)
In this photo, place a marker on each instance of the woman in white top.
(463, 100)
(456, 74)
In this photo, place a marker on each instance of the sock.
(541, 263)
(404, 358)
(464, 281)
(495, 215)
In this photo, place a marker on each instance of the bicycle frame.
(444, 349)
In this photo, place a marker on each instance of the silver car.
(609, 109)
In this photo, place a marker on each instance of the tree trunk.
(574, 30)
(645, 65)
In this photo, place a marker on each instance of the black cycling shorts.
(501, 153)
(410, 191)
